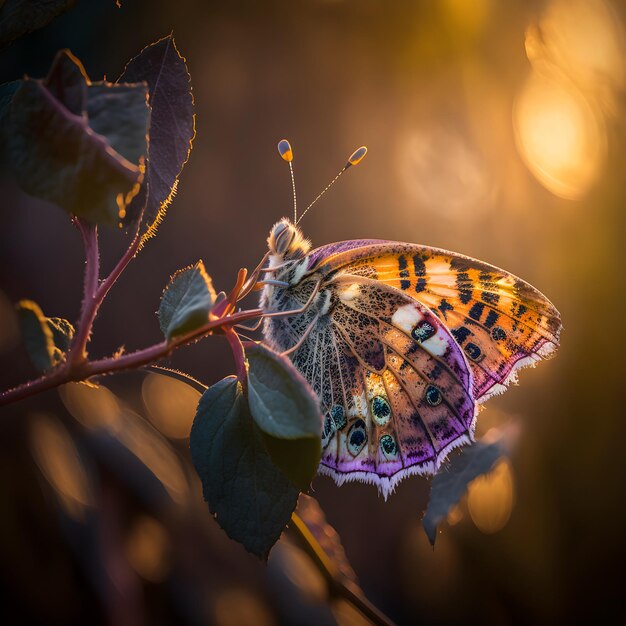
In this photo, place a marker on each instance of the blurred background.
(495, 129)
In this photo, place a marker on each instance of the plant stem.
(90, 304)
(330, 573)
(238, 355)
(94, 291)
(82, 370)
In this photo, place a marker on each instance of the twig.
(238, 354)
(337, 586)
(90, 303)
(77, 371)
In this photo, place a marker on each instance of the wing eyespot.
(389, 447)
(433, 395)
(357, 437)
(381, 411)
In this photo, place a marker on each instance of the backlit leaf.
(172, 126)
(46, 339)
(250, 497)
(186, 301)
(57, 155)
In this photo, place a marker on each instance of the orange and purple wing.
(393, 383)
(499, 321)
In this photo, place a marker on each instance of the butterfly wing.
(501, 322)
(393, 383)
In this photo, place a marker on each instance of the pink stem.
(239, 355)
(90, 304)
(77, 371)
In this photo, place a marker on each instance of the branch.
(90, 304)
(95, 292)
(336, 585)
(82, 370)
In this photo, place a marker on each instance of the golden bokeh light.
(240, 607)
(584, 39)
(560, 135)
(58, 459)
(560, 118)
(147, 549)
(93, 407)
(171, 404)
(154, 452)
(490, 498)
(297, 566)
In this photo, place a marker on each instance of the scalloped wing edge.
(387, 484)
(546, 351)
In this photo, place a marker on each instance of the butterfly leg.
(250, 328)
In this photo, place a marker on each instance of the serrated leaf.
(250, 497)
(450, 484)
(46, 339)
(172, 127)
(56, 155)
(186, 301)
(18, 17)
(285, 408)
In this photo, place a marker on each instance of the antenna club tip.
(357, 156)
(285, 151)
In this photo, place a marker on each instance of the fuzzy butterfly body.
(400, 342)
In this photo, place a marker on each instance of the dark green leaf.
(285, 408)
(56, 155)
(281, 401)
(46, 339)
(298, 459)
(250, 497)
(18, 17)
(186, 301)
(451, 482)
(172, 127)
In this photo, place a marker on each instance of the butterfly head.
(286, 242)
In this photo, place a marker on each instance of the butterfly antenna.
(355, 158)
(285, 151)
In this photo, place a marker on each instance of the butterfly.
(401, 343)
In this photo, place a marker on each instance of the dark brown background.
(431, 89)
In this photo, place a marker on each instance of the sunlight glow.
(147, 549)
(57, 457)
(490, 498)
(171, 404)
(577, 54)
(560, 136)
